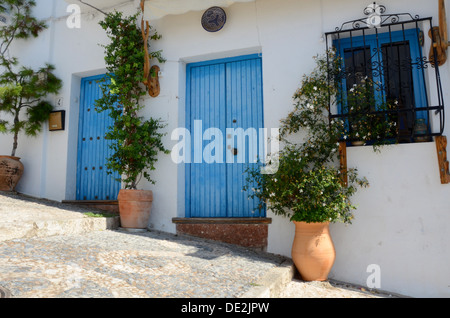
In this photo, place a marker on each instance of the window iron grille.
(391, 50)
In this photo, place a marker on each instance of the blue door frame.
(223, 94)
(93, 180)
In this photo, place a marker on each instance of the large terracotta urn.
(134, 208)
(11, 170)
(313, 251)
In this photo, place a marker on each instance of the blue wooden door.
(93, 180)
(224, 115)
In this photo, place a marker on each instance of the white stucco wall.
(401, 222)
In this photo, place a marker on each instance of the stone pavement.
(53, 250)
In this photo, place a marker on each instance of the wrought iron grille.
(393, 52)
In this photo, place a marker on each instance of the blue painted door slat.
(223, 94)
(93, 181)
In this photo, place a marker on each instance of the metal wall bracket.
(343, 162)
(441, 147)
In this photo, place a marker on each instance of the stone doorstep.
(273, 282)
(71, 226)
(222, 220)
(104, 205)
(245, 232)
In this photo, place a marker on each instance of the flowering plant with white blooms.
(368, 117)
(308, 185)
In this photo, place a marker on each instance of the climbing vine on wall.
(136, 141)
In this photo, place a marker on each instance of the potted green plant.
(23, 91)
(308, 185)
(136, 141)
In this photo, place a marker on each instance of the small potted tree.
(22, 90)
(308, 187)
(136, 141)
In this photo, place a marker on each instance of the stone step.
(104, 205)
(70, 226)
(247, 232)
(26, 217)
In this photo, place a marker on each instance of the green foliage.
(365, 122)
(100, 214)
(308, 185)
(136, 141)
(23, 25)
(22, 89)
(304, 190)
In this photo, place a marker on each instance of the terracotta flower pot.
(134, 208)
(11, 170)
(313, 250)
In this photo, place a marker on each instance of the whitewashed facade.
(402, 222)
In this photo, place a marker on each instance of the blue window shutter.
(374, 43)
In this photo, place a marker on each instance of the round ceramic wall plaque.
(214, 19)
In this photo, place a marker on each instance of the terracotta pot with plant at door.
(135, 207)
(313, 250)
(136, 141)
(11, 170)
(307, 185)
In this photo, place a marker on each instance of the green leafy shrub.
(23, 91)
(308, 185)
(136, 141)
